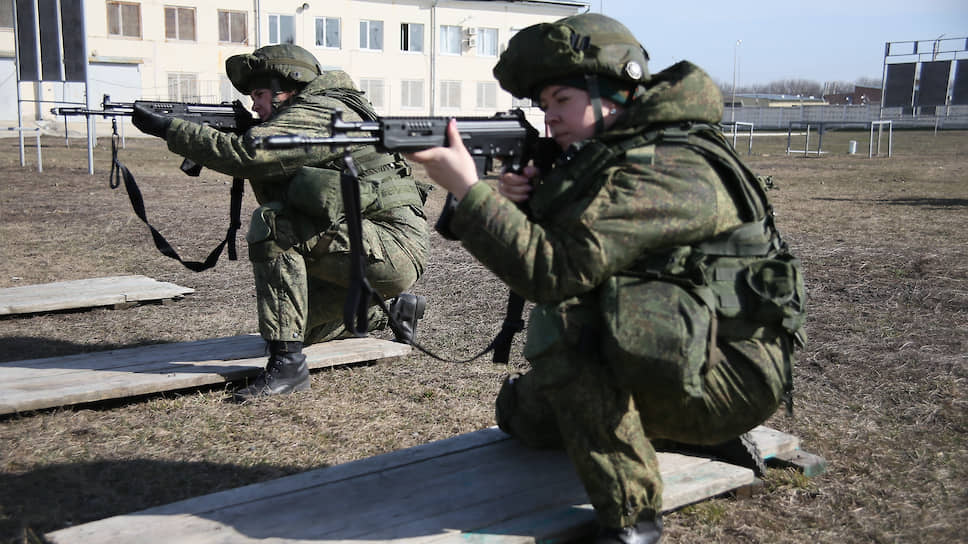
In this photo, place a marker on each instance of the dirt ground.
(880, 390)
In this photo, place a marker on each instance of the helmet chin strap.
(275, 89)
(596, 97)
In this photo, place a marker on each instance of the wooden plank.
(87, 293)
(772, 442)
(89, 377)
(478, 487)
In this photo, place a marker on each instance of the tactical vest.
(746, 275)
(384, 178)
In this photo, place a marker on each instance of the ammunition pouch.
(315, 192)
(656, 333)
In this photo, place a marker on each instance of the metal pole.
(732, 102)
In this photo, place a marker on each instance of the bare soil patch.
(880, 387)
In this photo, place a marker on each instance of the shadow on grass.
(930, 203)
(62, 495)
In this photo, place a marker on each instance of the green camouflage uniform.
(608, 204)
(298, 242)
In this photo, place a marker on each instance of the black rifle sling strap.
(119, 172)
(359, 292)
(513, 324)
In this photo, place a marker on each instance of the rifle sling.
(119, 172)
(359, 292)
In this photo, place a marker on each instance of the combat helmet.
(283, 67)
(589, 44)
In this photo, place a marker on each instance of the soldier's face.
(569, 113)
(262, 102)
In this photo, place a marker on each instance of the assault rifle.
(507, 136)
(224, 116)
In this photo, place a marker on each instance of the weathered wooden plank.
(87, 293)
(62, 381)
(477, 487)
(772, 442)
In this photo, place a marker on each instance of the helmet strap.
(596, 97)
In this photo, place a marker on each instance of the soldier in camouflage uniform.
(298, 242)
(667, 306)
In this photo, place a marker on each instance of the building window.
(450, 38)
(282, 29)
(371, 35)
(183, 87)
(375, 92)
(124, 19)
(327, 32)
(233, 27)
(411, 37)
(486, 94)
(180, 23)
(412, 93)
(450, 94)
(6, 14)
(487, 42)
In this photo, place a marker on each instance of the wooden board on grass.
(88, 293)
(480, 487)
(36, 384)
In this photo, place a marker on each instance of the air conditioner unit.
(469, 42)
(469, 32)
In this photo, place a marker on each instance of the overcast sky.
(820, 40)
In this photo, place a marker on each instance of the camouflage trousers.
(302, 268)
(605, 424)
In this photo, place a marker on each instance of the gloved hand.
(150, 122)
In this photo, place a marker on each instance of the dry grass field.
(881, 386)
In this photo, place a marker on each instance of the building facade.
(412, 57)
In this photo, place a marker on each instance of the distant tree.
(793, 87)
(868, 82)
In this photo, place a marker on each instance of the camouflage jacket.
(606, 203)
(269, 171)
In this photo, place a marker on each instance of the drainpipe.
(257, 25)
(433, 56)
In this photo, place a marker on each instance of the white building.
(412, 57)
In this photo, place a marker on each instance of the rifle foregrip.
(442, 225)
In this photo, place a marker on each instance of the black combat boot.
(285, 373)
(404, 313)
(647, 531)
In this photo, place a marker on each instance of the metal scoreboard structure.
(922, 75)
(51, 46)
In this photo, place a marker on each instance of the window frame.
(406, 38)
(277, 28)
(449, 88)
(339, 32)
(121, 19)
(407, 91)
(486, 90)
(366, 85)
(484, 31)
(178, 79)
(178, 23)
(365, 34)
(446, 38)
(229, 15)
